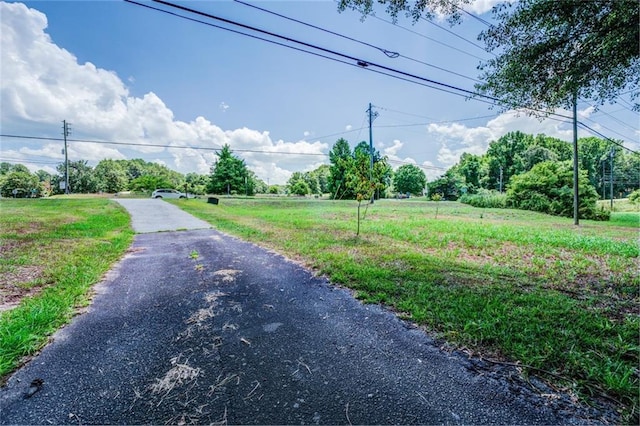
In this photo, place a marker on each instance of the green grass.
(510, 284)
(59, 247)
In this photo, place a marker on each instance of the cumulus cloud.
(42, 82)
(456, 138)
(483, 6)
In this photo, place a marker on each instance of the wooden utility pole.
(66, 131)
(576, 199)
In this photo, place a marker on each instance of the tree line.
(535, 173)
(518, 170)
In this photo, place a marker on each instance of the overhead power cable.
(436, 122)
(476, 17)
(592, 130)
(401, 75)
(353, 61)
(417, 165)
(458, 36)
(388, 53)
(347, 59)
(153, 145)
(428, 38)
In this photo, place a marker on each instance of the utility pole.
(66, 131)
(603, 179)
(501, 179)
(611, 178)
(372, 116)
(576, 199)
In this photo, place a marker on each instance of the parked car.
(168, 193)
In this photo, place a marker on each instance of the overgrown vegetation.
(507, 284)
(485, 199)
(53, 251)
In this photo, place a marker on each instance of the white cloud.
(43, 83)
(483, 6)
(456, 138)
(393, 149)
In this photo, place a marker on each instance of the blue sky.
(123, 73)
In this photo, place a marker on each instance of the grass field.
(511, 285)
(53, 251)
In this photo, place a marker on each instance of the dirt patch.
(12, 288)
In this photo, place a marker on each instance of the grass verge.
(514, 285)
(53, 251)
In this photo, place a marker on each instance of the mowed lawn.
(52, 252)
(509, 285)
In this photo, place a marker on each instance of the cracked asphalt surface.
(195, 326)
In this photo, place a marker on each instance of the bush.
(548, 188)
(485, 199)
(634, 197)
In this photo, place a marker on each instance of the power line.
(406, 76)
(353, 61)
(388, 53)
(428, 38)
(476, 17)
(458, 36)
(153, 145)
(607, 138)
(417, 165)
(608, 128)
(357, 61)
(616, 119)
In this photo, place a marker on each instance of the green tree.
(81, 177)
(312, 182)
(25, 183)
(449, 186)
(5, 168)
(20, 168)
(562, 149)
(409, 178)
(537, 154)
(110, 176)
(259, 186)
(297, 184)
(323, 174)
(551, 51)
(229, 174)
(548, 188)
(274, 190)
(472, 168)
(548, 50)
(43, 176)
(149, 183)
(506, 154)
(196, 183)
(628, 170)
(300, 188)
(341, 163)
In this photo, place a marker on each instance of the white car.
(167, 193)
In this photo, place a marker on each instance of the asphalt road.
(198, 327)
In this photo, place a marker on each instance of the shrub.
(634, 197)
(548, 188)
(485, 199)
